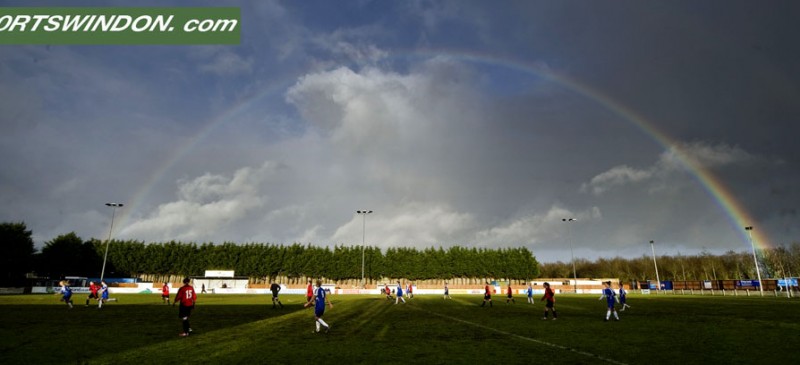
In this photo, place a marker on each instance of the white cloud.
(360, 107)
(677, 159)
(207, 206)
(391, 127)
(374, 135)
(412, 224)
(360, 110)
(704, 155)
(535, 229)
(618, 175)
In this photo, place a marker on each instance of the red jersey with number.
(165, 290)
(93, 288)
(186, 296)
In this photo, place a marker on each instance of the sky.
(469, 123)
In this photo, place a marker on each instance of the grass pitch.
(230, 329)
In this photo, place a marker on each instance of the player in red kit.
(550, 304)
(309, 292)
(165, 293)
(92, 292)
(388, 292)
(510, 294)
(487, 295)
(186, 297)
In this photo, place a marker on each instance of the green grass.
(228, 329)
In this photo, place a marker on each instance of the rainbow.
(721, 195)
(135, 201)
(735, 212)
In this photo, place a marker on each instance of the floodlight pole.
(658, 279)
(114, 207)
(786, 280)
(363, 239)
(749, 230)
(572, 254)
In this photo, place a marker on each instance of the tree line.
(68, 254)
(777, 262)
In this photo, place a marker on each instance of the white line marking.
(584, 353)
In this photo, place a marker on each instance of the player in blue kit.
(530, 293)
(610, 297)
(104, 295)
(623, 298)
(66, 293)
(399, 293)
(319, 307)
